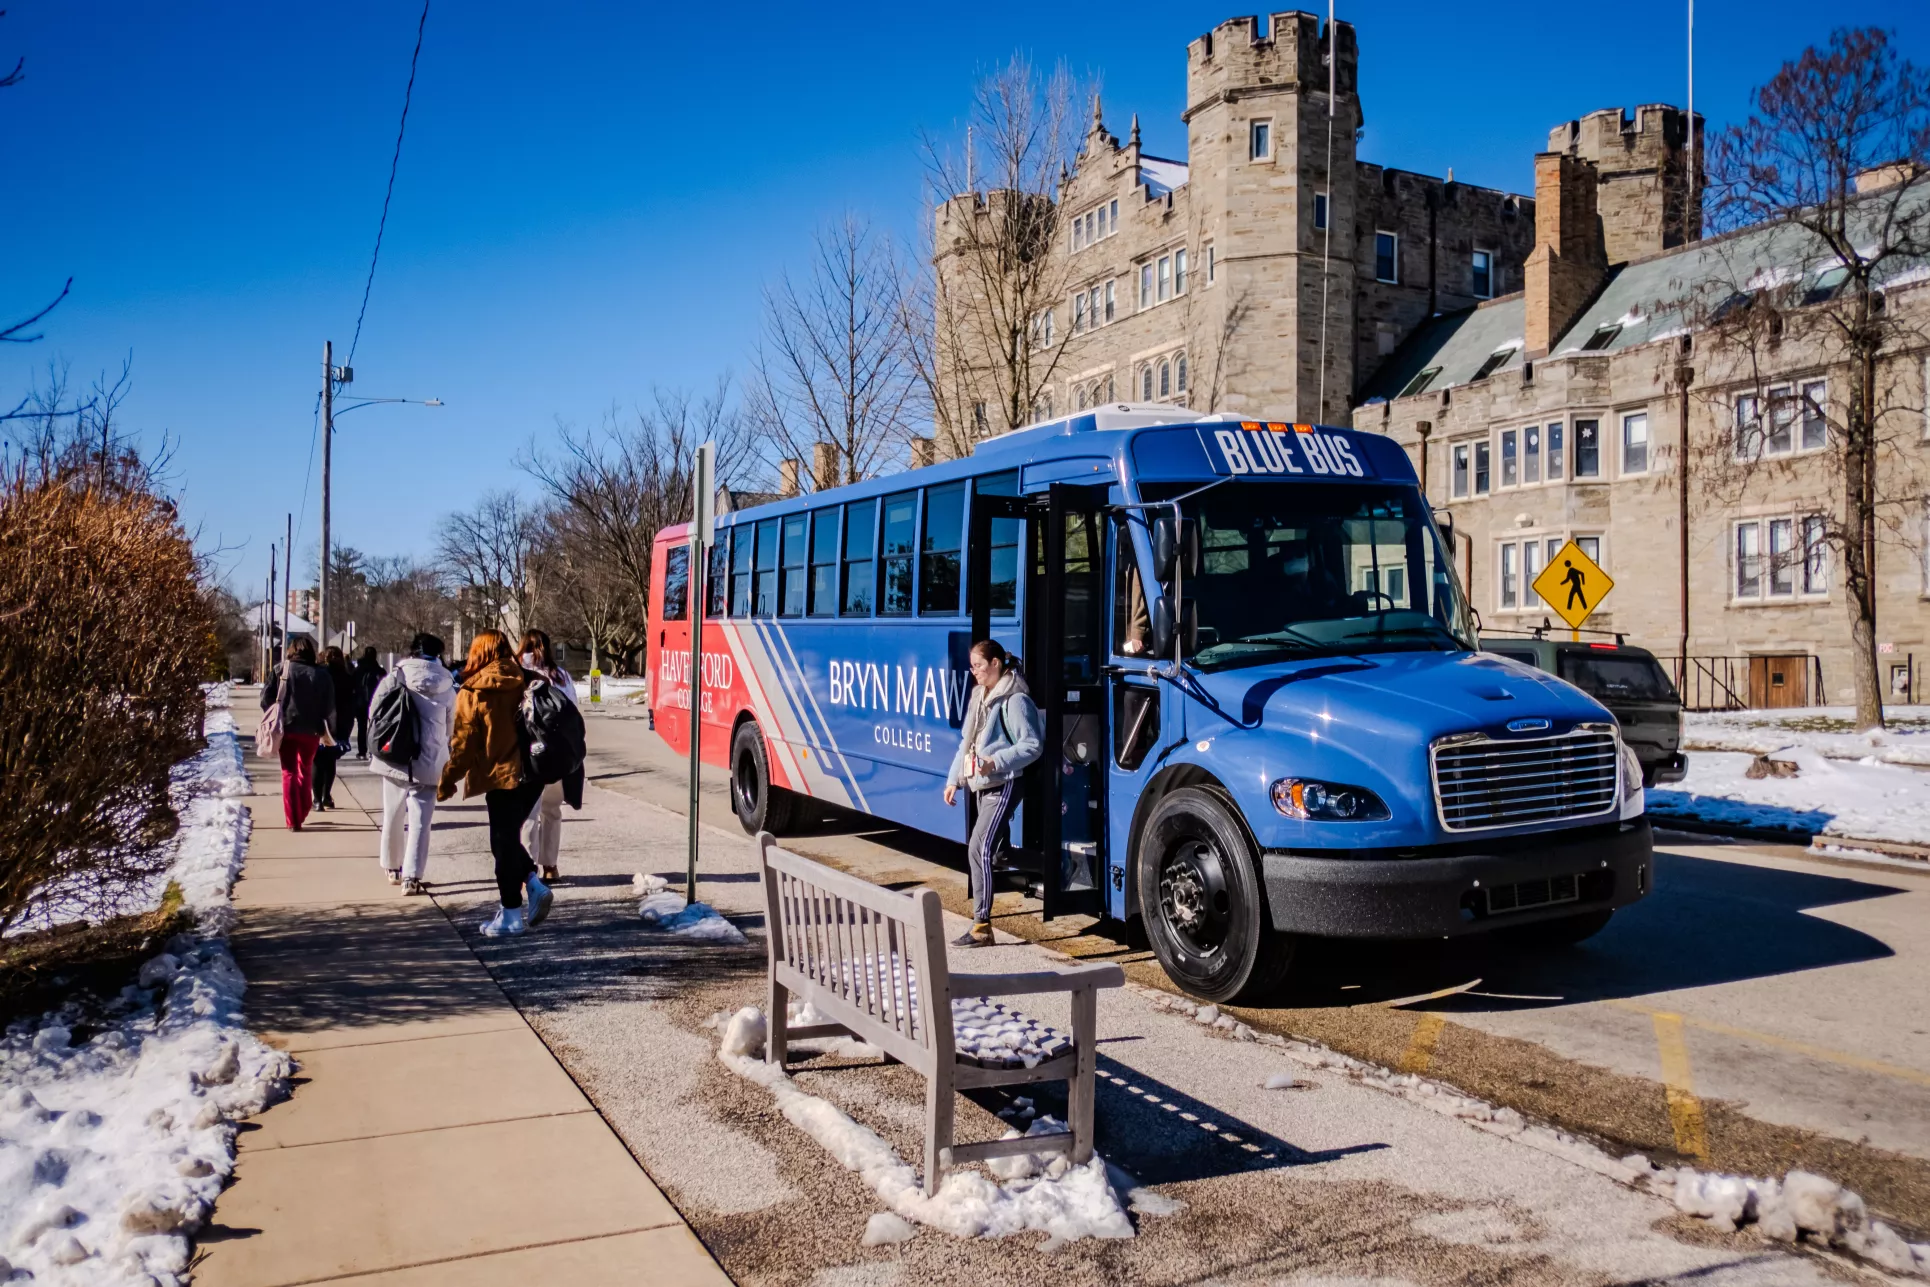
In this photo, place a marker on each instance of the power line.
(394, 162)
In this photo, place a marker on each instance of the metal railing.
(1743, 683)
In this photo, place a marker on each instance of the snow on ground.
(1846, 799)
(116, 1122)
(1830, 730)
(1047, 1193)
(663, 910)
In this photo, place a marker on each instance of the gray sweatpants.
(989, 837)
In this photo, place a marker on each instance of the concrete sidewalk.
(431, 1137)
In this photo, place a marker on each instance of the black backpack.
(395, 728)
(552, 729)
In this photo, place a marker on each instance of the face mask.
(529, 660)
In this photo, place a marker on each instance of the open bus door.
(1061, 614)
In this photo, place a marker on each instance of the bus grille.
(1488, 783)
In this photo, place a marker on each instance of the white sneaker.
(506, 923)
(540, 899)
(394, 874)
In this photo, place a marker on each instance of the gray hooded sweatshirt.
(1005, 730)
(433, 691)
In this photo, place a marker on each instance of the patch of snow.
(1829, 730)
(663, 910)
(887, 1227)
(113, 1148)
(1076, 1202)
(1851, 800)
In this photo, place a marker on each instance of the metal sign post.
(702, 525)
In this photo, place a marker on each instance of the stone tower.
(1646, 200)
(1259, 147)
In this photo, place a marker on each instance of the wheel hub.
(1193, 898)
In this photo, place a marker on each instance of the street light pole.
(328, 441)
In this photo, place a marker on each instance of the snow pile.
(671, 913)
(1847, 800)
(1830, 730)
(116, 1120)
(1066, 1203)
(1801, 1205)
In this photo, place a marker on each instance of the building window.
(1588, 449)
(1079, 398)
(1483, 272)
(1530, 569)
(1079, 313)
(1815, 555)
(1635, 443)
(824, 564)
(1748, 561)
(1554, 451)
(1494, 361)
(978, 417)
(1179, 374)
(1782, 557)
(1510, 579)
(1112, 216)
(1259, 140)
(1815, 423)
(1510, 475)
(1042, 329)
(1460, 470)
(1320, 211)
(940, 574)
(1212, 264)
(766, 598)
(1781, 439)
(1387, 267)
(1109, 301)
(1165, 379)
(1179, 272)
(897, 549)
(1165, 277)
(1109, 396)
(1531, 454)
(1078, 241)
(1146, 284)
(1748, 426)
(1146, 384)
(1481, 464)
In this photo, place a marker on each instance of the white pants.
(543, 833)
(404, 802)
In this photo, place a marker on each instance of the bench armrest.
(1001, 985)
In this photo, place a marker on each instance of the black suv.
(1627, 680)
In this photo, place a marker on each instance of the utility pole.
(328, 442)
(268, 618)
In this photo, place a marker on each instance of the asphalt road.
(1763, 1009)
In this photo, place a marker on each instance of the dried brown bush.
(104, 642)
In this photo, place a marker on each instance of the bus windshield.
(1308, 569)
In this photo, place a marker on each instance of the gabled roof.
(1454, 346)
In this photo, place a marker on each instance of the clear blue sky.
(592, 195)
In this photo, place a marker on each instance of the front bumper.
(1465, 890)
(1671, 768)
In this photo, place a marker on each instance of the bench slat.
(1056, 1142)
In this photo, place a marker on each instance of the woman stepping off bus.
(1001, 740)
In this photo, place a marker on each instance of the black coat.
(311, 697)
(348, 692)
(368, 676)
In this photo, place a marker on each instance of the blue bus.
(1266, 714)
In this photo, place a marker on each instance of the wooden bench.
(873, 963)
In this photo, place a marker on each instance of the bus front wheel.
(759, 805)
(1202, 901)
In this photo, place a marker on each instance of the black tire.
(1202, 900)
(1563, 932)
(759, 805)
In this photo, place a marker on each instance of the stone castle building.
(1526, 349)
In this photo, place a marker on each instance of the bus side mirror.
(1445, 521)
(1165, 548)
(1189, 628)
(1163, 626)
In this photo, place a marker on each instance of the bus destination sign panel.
(1264, 448)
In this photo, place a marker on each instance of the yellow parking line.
(1420, 1048)
(1685, 1110)
(1823, 1053)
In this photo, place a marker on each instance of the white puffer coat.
(434, 693)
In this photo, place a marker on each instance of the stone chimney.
(824, 466)
(922, 452)
(1568, 261)
(787, 478)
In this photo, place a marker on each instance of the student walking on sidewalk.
(486, 758)
(368, 677)
(1001, 739)
(335, 745)
(409, 790)
(543, 833)
(306, 695)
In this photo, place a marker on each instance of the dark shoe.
(551, 875)
(980, 935)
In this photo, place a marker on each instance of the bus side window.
(676, 582)
(824, 563)
(1084, 580)
(940, 578)
(1132, 627)
(860, 537)
(791, 592)
(740, 571)
(1005, 545)
(1135, 724)
(899, 546)
(717, 578)
(766, 604)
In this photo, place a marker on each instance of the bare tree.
(834, 375)
(404, 596)
(591, 602)
(486, 555)
(629, 479)
(988, 337)
(1832, 167)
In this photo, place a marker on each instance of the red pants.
(298, 776)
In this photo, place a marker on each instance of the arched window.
(1109, 396)
(1146, 383)
(1165, 378)
(1079, 398)
(1179, 373)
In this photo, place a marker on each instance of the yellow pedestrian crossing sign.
(1573, 584)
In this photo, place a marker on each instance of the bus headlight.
(1634, 799)
(1312, 801)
